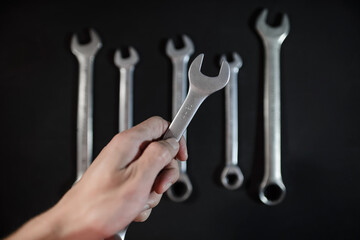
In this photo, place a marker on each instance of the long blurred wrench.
(180, 59)
(85, 55)
(272, 189)
(126, 67)
(201, 87)
(231, 176)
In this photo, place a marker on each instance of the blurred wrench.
(231, 176)
(272, 188)
(85, 55)
(180, 59)
(126, 67)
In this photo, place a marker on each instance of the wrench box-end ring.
(180, 190)
(272, 193)
(232, 177)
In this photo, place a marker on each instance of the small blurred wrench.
(85, 55)
(231, 176)
(272, 188)
(180, 59)
(126, 67)
(201, 87)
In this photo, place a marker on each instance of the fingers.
(167, 177)
(155, 157)
(129, 144)
(183, 153)
(153, 201)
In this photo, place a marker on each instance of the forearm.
(41, 227)
(54, 224)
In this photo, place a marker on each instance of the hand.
(123, 184)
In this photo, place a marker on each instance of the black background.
(320, 111)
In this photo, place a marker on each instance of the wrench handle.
(126, 98)
(184, 115)
(85, 115)
(272, 112)
(231, 117)
(179, 90)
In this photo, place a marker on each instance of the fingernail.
(167, 186)
(173, 143)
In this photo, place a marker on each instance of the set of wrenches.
(186, 101)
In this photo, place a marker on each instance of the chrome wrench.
(126, 67)
(180, 59)
(85, 55)
(272, 189)
(231, 176)
(201, 87)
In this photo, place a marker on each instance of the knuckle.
(161, 151)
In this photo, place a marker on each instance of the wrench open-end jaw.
(187, 50)
(126, 62)
(268, 32)
(272, 189)
(88, 49)
(231, 176)
(204, 84)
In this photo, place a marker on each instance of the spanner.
(231, 176)
(201, 87)
(85, 55)
(126, 68)
(180, 59)
(272, 189)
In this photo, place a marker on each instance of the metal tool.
(85, 54)
(231, 176)
(180, 59)
(126, 67)
(272, 189)
(201, 87)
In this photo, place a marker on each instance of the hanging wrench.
(201, 87)
(85, 55)
(272, 189)
(231, 176)
(180, 59)
(126, 68)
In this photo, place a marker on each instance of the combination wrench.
(231, 176)
(126, 67)
(85, 55)
(180, 59)
(272, 189)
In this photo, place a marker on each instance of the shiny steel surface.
(272, 189)
(231, 176)
(85, 54)
(201, 87)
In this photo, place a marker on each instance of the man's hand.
(123, 184)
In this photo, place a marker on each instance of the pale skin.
(123, 184)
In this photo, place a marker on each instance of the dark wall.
(320, 111)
